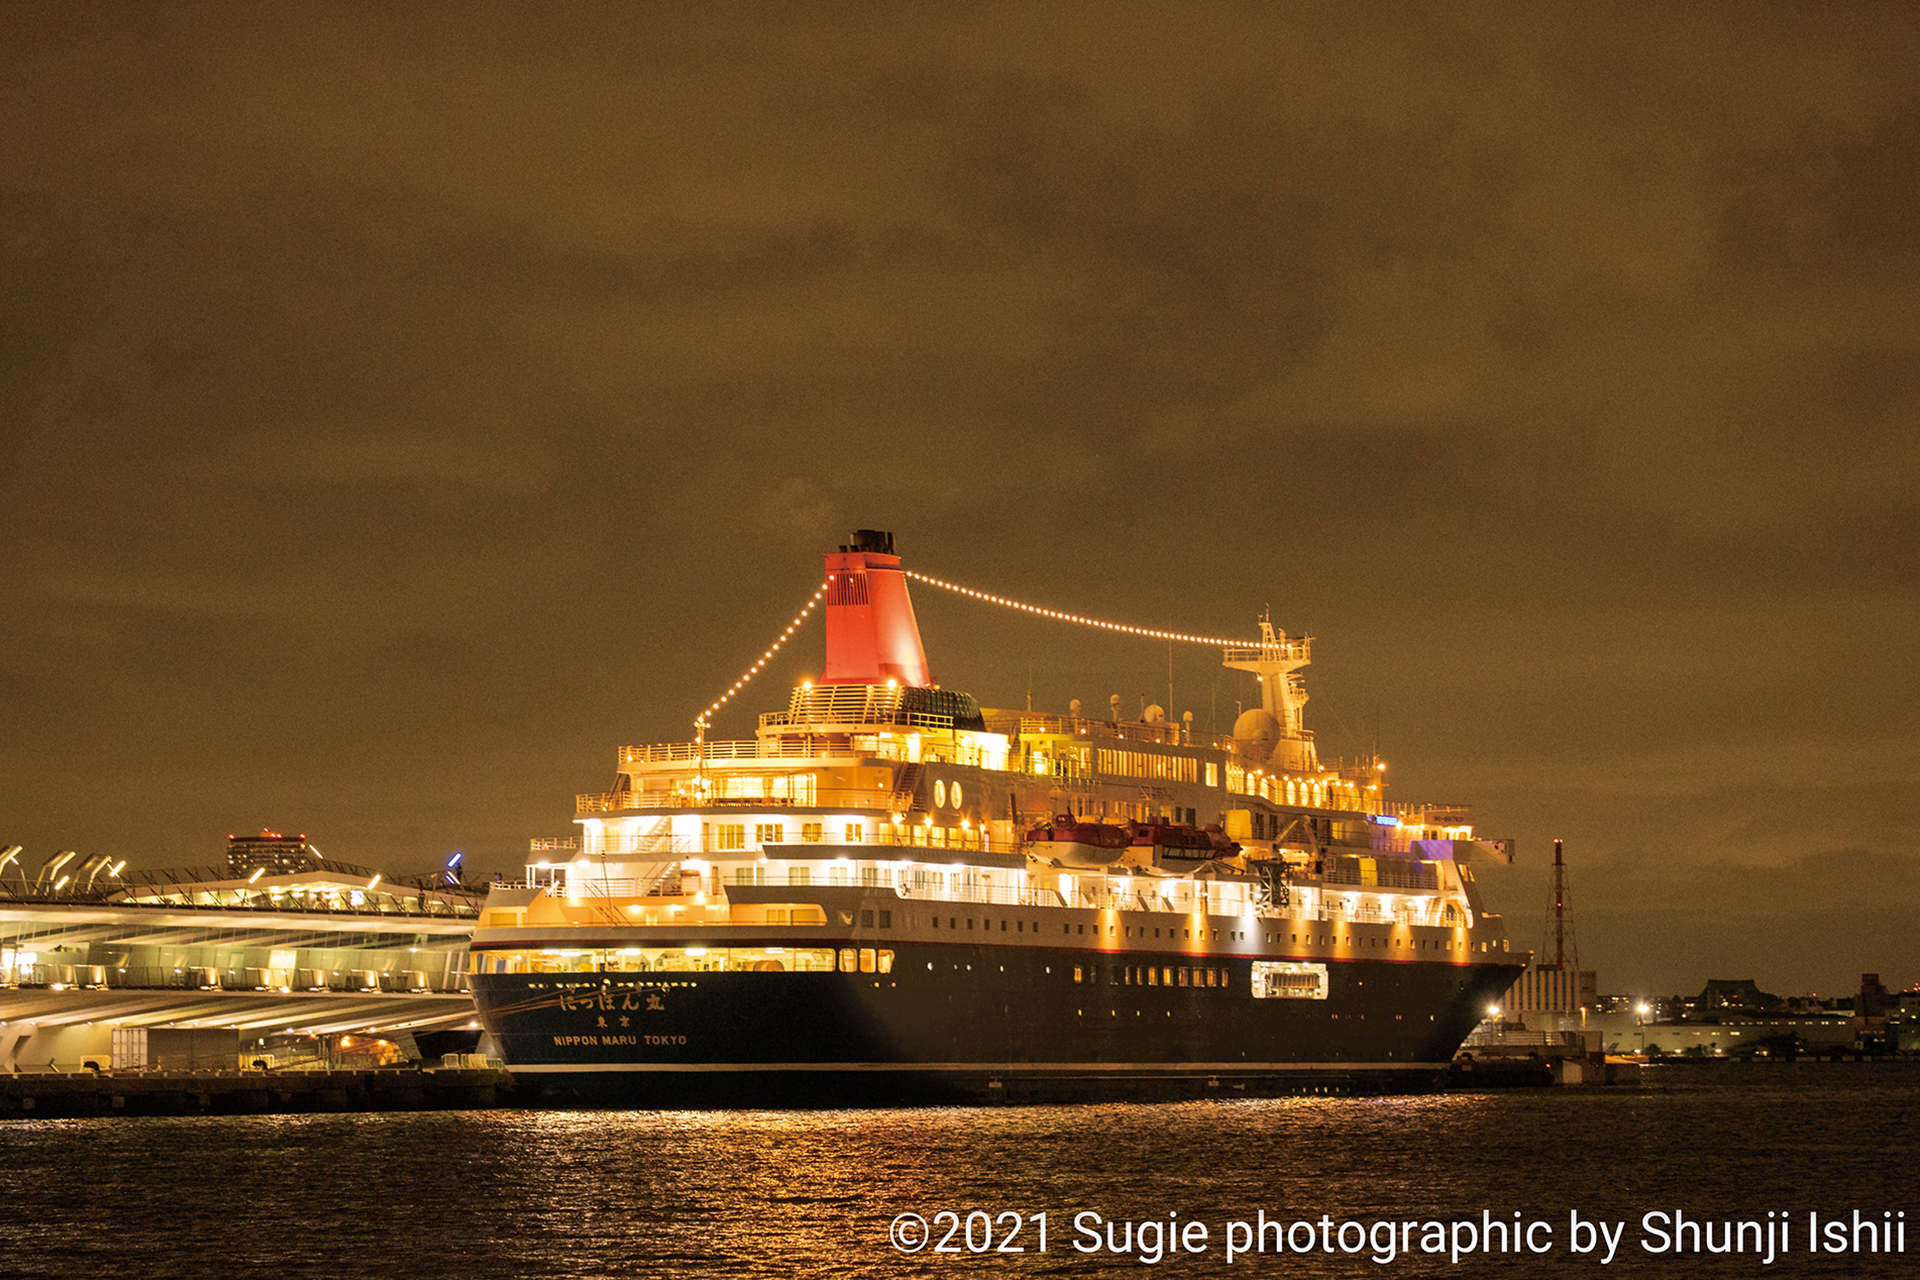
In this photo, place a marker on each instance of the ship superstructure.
(891, 893)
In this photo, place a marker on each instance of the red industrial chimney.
(872, 636)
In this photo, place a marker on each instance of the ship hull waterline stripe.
(976, 1068)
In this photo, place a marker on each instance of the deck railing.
(836, 746)
(864, 800)
(1306, 903)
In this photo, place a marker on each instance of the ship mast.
(1276, 660)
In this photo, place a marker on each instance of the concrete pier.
(45, 1095)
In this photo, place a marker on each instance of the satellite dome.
(1257, 725)
(1153, 714)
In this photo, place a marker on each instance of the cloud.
(1560, 372)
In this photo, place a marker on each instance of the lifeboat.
(1087, 843)
(1180, 840)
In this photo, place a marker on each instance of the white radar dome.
(1257, 725)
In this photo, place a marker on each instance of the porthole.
(954, 791)
(939, 795)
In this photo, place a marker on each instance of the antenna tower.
(1559, 913)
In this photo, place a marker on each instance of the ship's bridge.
(842, 746)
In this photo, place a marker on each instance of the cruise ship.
(891, 894)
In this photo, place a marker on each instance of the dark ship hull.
(979, 1024)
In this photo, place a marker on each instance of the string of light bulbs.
(1055, 614)
(705, 718)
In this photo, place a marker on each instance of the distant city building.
(1545, 989)
(1874, 998)
(280, 855)
(1733, 995)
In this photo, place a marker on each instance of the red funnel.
(872, 636)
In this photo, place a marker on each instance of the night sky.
(403, 408)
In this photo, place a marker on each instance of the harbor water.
(1660, 1177)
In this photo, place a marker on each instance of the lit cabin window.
(1288, 980)
(856, 832)
(848, 961)
(769, 959)
(869, 960)
(769, 833)
(812, 832)
(730, 835)
(886, 961)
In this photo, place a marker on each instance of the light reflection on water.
(587, 1194)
